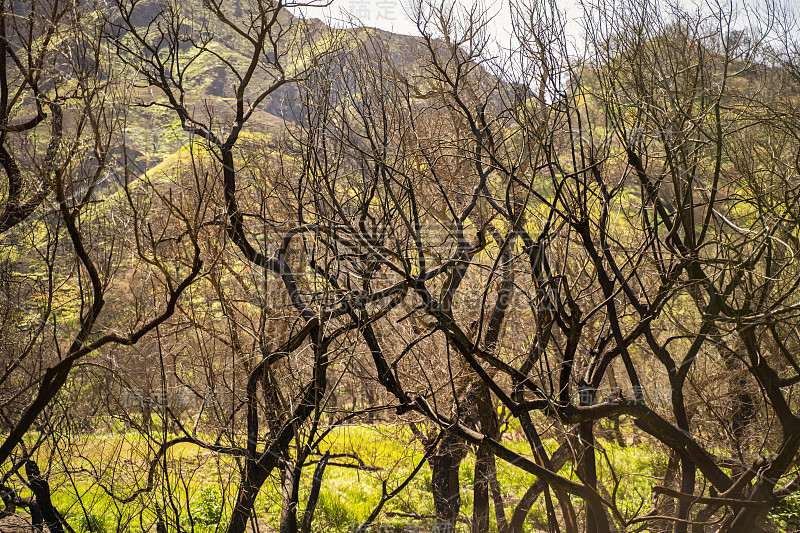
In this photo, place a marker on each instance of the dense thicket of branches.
(469, 242)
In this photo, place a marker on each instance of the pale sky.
(391, 14)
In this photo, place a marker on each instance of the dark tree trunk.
(485, 468)
(480, 491)
(445, 485)
(313, 497)
(41, 492)
(588, 468)
(289, 497)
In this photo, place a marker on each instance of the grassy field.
(202, 487)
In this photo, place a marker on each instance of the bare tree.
(61, 250)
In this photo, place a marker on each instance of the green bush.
(207, 510)
(786, 515)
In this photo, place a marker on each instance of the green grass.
(347, 497)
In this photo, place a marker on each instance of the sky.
(391, 14)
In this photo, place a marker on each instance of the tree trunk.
(445, 485)
(289, 497)
(480, 491)
(485, 468)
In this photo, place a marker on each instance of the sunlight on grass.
(363, 458)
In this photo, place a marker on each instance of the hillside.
(210, 63)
